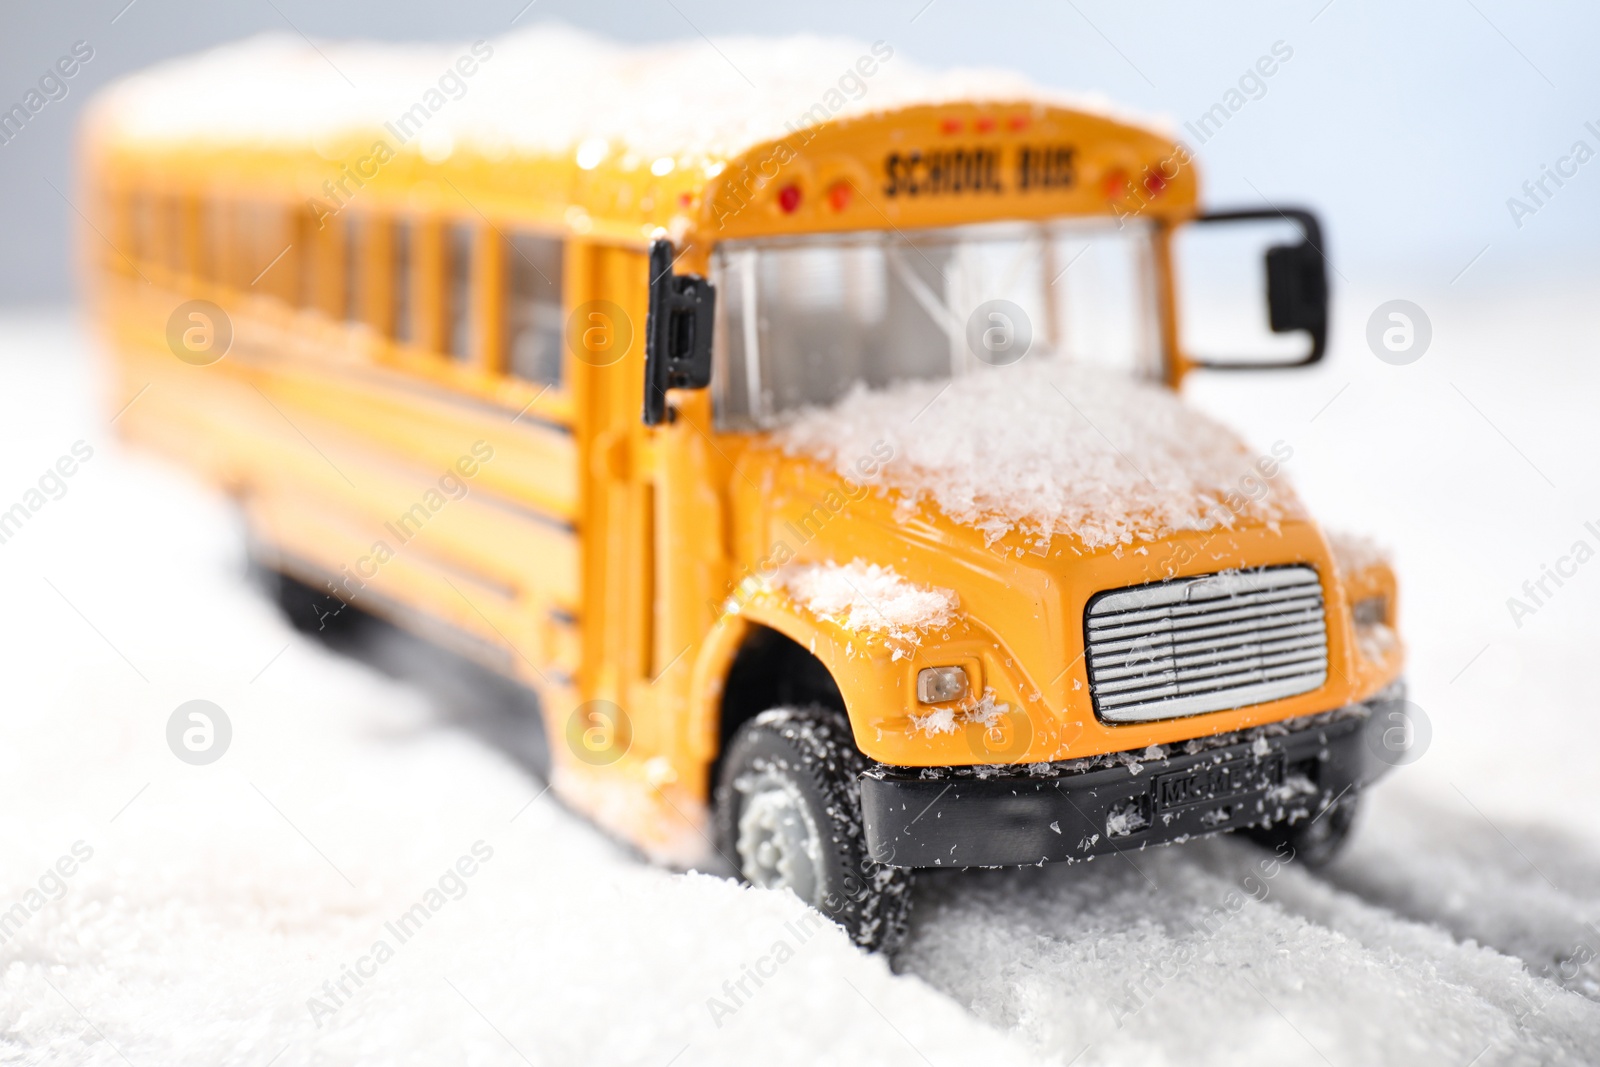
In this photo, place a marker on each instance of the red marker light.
(1155, 183)
(950, 125)
(1017, 122)
(984, 124)
(839, 195)
(1116, 183)
(685, 199)
(789, 198)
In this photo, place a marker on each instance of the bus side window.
(275, 251)
(257, 247)
(244, 240)
(141, 228)
(400, 304)
(324, 288)
(186, 211)
(210, 247)
(311, 260)
(354, 257)
(232, 244)
(458, 292)
(170, 220)
(533, 327)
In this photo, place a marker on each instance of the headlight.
(1372, 611)
(1373, 636)
(940, 685)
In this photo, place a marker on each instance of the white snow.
(938, 721)
(974, 711)
(868, 598)
(1048, 448)
(546, 89)
(219, 899)
(1353, 552)
(1456, 927)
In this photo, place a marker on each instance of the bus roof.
(569, 120)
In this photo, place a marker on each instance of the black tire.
(789, 816)
(1316, 840)
(314, 612)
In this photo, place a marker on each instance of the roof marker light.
(839, 194)
(950, 125)
(789, 198)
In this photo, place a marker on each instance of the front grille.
(1211, 643)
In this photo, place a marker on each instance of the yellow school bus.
(815, 454)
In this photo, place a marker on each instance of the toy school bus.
(826, 479)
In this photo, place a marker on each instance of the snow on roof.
(866, 597)
(543, 90)
(1047, 448)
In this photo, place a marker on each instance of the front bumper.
(964, 817)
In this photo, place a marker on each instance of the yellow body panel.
(585, 554)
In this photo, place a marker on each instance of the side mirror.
(677, 333)
(1296, 289)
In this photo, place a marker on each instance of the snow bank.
(545, 89)
(229, 915)
(205, 919)
(1219, 953)
(865, 597)
(1046, 448)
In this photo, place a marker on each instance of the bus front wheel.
(789, 817)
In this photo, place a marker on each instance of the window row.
(419, 282)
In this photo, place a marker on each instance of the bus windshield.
(802, 320)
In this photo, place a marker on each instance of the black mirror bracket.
(1297, 284)
(677, 333)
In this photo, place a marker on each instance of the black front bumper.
(1015, 817)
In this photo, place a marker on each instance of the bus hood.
(1047, 449)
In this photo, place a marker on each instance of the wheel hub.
(778, 843)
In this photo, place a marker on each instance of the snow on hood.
(1046, 448)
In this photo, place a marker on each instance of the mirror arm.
(1309, 225)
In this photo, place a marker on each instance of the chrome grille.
(1205, 644)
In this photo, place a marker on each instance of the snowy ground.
(1464, 921)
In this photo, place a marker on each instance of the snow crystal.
(1046, 447)
(1125, 820)
(985, 711)
(1295, 785)
(867, 597)
(937, 721)
(542, 90)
